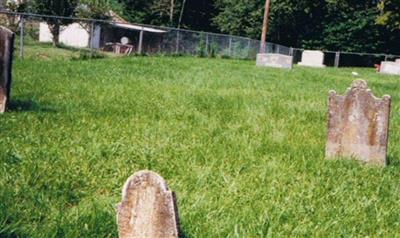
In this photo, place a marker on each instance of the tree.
(155, 12)
(65, 8)
(94, 9)
(389, 14)
(13, 21)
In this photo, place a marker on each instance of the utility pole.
(265, 27)
(171, 12)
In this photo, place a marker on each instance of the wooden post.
(337, 58)
(140, 46)
(265, 27)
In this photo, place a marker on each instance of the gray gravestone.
(358, 125)
(312, 58)
(275, 60)
(148, 208)
(389, 67)
(6, 55)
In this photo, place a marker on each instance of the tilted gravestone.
(312, 58)
(6, 55)
(358, 125)
(390, 67)
(148, 208)
(275, 60)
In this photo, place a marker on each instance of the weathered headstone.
(6, 55)
(312, 58)
(358, 125)
(390, 67)
(148, 208)
(275, 60)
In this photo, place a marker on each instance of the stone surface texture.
(358, 125)
(6, 54)
(312, 58)
(390, 67)
(148, 208)
(275, 60)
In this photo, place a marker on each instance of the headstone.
(397, 61)
(147, 208)
(358, 125)
(275, 60)
(6, 56)
(389, 67)
(312, 58)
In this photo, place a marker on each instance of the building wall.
(72, 35)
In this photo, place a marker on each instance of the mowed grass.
(243, 148)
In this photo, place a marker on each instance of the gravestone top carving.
(147, 208)
(6, 55)
(358, 125)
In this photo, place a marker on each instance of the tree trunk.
(55, 32)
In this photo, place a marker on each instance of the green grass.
(243, 148)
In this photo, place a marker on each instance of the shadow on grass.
(27, 106)
(393, 161)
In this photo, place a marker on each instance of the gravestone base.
(275, 61)
(312, 65)
(389, 67)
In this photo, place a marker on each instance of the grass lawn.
(243, 147)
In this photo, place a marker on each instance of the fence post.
(91, 37)
(177, 42)
(21, 43)
(230, 46)
(291, 51)
(207, 43)
(337, 58)
(140, 46)
(248, 48)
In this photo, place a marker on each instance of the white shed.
(72, 35)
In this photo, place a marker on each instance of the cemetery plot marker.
(275, 60)
(389, 67)
(312, 58)
(148, 208)
(6, 54)
(358, 125)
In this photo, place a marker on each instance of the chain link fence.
(348, 59)
(120, 37)
(125, 38)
